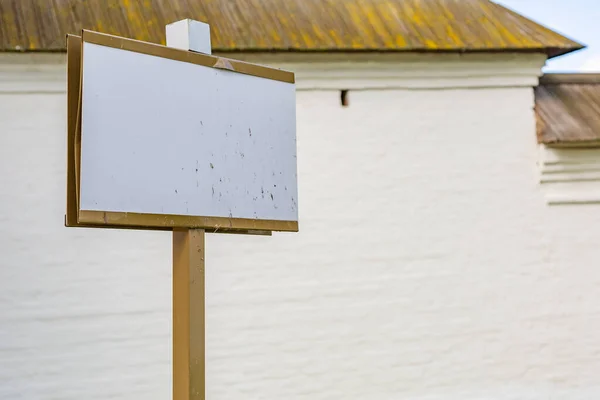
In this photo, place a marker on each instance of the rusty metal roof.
(568, 109)
(286, 25)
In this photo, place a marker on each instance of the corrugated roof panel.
(287, 25)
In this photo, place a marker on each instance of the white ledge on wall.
(580, 199)
(406, 71)
(570, 176)
(34, 73)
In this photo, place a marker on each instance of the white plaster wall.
(428, 266)
(570, 175)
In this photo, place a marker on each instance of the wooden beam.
(188, 315)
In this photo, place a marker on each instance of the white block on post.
(191, 35)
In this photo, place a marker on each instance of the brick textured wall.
(428, 267)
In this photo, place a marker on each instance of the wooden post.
(188, 263)
(188, 315)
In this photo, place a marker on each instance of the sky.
(576, 19)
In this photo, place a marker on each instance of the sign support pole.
(188, 263)
(188, 315)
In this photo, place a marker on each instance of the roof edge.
(552, 51)
(570, 78)
(572, 144)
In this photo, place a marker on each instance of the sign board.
(162, 138)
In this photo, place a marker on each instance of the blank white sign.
(160, 136)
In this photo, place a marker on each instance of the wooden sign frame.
(122, 220)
